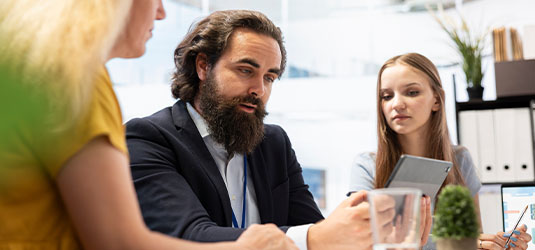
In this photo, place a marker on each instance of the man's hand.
(348, 227)
(265, 237)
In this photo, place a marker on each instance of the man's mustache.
(248, 99)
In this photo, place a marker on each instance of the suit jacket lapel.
(263, 193)
(188, 133)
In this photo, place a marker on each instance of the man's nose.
(258, 88)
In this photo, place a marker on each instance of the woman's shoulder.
(365, 160)
(366, 157)
(461, 154)
(468, 169)
(459, 149)
(362, 175)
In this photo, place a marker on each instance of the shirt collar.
(200, 123)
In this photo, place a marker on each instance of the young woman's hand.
(427, 219)
(265, 237)
(402, 230)
(519, 240)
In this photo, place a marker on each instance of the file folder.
(504, 131)
(486, 143)
(523, 153)
(468, 131)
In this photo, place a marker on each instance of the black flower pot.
(475, 93)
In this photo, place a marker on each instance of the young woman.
(411, 119)
(64, 176)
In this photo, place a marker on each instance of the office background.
(326, 99)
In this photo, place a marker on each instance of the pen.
(516, 225)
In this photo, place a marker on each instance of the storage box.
(515, 78)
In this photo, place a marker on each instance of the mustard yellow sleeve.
(102, 118)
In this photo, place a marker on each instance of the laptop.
(515, 197)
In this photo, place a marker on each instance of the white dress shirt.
(232, 173)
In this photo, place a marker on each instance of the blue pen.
(516, 225)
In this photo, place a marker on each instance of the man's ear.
(201, 65)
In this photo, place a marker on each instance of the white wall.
(328, 121)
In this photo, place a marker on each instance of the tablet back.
(419, 172)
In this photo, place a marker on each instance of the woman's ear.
(436, 105)
(201, 66)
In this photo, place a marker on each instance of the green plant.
(455, 215)
(469, 46)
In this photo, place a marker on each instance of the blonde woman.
(411, 119)
(64, 175)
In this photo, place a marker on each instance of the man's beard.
(237, 130)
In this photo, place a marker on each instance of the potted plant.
(470, 48)
(455, 224)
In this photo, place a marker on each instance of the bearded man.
(208, 167)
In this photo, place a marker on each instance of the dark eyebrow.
(250, 62)
(253, 63)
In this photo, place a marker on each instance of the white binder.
(468, 131)
(486, 143)
(529, 42)
(523, 153)
(504, 130)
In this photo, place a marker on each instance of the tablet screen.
(514, 199)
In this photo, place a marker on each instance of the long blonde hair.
(439, 145)
(57, 45)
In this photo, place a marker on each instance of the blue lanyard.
(234, 221)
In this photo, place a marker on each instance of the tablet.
(515, 196)
(419, 172)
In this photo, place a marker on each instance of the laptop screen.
(514, 200)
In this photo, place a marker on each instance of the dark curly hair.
(210, 36)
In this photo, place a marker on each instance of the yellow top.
(32, 214)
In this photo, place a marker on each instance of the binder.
(468, 131)
(529, 41)
(486, 143)
(504, 127)
(523, 152)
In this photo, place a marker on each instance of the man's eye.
(245, 71)
(270, 79)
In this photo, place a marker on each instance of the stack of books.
(502, 37)
(518, 53)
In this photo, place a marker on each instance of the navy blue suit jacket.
(181, 192)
